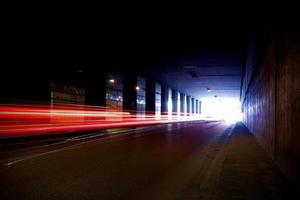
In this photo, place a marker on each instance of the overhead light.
(208, 89)
(111, 80)
(137, 88)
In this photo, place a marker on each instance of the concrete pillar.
(30, 90)
(175, 101)
(200, 104)
(150, 96)
(197, 107)
(95, 91)
(182, 104)
(164, 98)
(130, 95)
(188, 105)
(193, 106)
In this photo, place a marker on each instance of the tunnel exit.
(228, 109)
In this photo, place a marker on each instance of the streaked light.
(38, 119)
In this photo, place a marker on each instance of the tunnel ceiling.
(190, 56)
(211, 57)
(216, 70)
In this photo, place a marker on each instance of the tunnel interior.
(216, 71)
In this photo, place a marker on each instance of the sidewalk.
(248, 172)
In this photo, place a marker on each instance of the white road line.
(125, 132)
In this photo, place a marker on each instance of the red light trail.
(38, 119)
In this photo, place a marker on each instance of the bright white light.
(228, 109)
(111, 80)
(137, 88)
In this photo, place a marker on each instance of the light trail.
(38, 119)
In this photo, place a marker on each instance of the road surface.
(170, 161)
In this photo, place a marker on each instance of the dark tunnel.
(150, 106)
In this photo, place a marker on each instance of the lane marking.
(102, 140)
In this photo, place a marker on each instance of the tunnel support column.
(193, 106)
(175, 102)
(188, 105)
(200, 104)
(164, 99)
(197, 107)
(182, 104)
(150, 96)
(95, 92)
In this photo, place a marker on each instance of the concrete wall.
(271, 95)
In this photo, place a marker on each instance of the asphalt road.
(171, 161)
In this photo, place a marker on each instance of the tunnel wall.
(271, 95)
